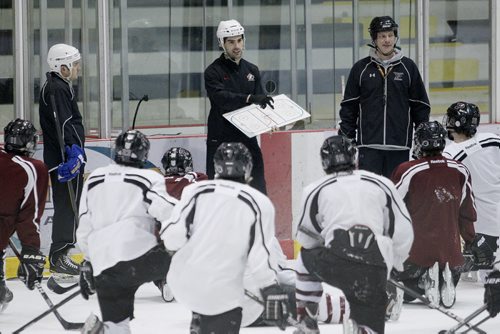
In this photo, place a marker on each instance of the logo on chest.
(250, 77)
(225, 77)
(398, 76)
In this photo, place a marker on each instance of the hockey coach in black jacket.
(384, 100)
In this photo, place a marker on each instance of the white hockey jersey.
(481, 155)
(118, 210)
(220, 229)
(344, 200)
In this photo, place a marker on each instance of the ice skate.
(166, 293)
(350, 326)
(6, 296)
(448, 292)
(394, 303)
(308, 322)
(64, 269)
(431, 284)
(93, 325)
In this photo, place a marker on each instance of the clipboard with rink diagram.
(253, 120)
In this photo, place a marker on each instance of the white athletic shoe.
(448, 292)
(431, 284)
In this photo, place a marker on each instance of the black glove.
(276, 306)
(30, 268)
(482, 250)
(492, 293)
(261, 100)
(87, 283)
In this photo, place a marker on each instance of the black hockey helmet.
(462, 117)
(233, 161)
(382, 23)
(338, 153)
(20, 137)
(131, 148)
(177, 161)
(429, 137)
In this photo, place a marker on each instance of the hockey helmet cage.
(382, 23)
(177, 161)
(131, 149)
(62, 54)
(429, 137)
(20, 137)
(338, 153)
(462, 117)
(229, 28)
(233, 161)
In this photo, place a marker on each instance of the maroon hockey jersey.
(24, 183)
(176, 183)
(438, 194)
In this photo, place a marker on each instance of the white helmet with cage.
(62, 54)
(229, 28)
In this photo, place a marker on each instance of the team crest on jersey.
(250, 77)
(226, 77)
(398, 76)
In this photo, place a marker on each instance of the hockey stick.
(71, 191)
(56, 288)
(52, 309)
(432, 306)
(66, 324)
(467, 319)
(478, 323)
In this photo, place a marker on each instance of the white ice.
(153, 315)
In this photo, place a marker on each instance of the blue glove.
(71, 168)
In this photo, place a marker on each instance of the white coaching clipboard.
(253, 120)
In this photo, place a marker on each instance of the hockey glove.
(492, 293)
(261, 100)
(87, 283)
(71, 168)
(276, 306)
(482, 250)
(30, 268)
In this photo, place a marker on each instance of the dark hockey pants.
(63, 222)
(116, 286)
(381, 162)
(225, 323)
(364, 285)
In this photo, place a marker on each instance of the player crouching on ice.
(354, 227)
(437, 192)
(219, 229)
(118, 211)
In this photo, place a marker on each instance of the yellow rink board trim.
(11, 264)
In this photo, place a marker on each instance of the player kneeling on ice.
(332, 309)
(178, 166)
(24, 183)
(119, 208)
(438, 194)
(219, 229)
(354, 228)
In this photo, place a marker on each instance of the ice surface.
(153, 315)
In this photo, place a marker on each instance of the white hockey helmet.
(229, 28)
(62, 54)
